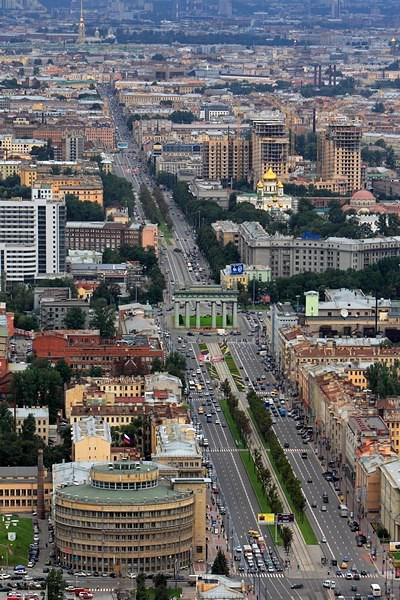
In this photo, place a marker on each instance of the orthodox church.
(270, 196)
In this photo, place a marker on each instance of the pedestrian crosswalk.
(295, 450)
(220, 450)
(260, 575)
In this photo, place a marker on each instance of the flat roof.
(162, 493)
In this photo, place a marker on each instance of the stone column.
(234, 314)
(187, 314)
(223, 314)
(177, 308)
(213, 314)
(197, 314)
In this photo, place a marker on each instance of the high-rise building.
(339, 152)
(225, 156)
(74, 147)
(270, 145)
(32, 238)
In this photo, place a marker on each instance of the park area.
(14, 552)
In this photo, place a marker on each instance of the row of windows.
(129, 516)
(124, 485)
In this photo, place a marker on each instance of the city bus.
(122, 145)
(343, 510)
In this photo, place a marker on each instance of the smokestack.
(319, 76)
(315, 75)
(334, 75)
(314, 120)
(330, 75)
(40, 486)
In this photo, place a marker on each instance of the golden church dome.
(269, 175)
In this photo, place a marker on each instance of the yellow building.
(41, 416)
(225, 156)
(103, 391)
(8, 168)
(91, 440)
(356, 374)
(232, 280)
(19, 489)
(88, 188)
(28, 175)
(128, 519)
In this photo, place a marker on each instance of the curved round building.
(126, 519)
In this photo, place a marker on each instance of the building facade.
(126, 518)
(32, 238)
(339, 153)
(270, 145)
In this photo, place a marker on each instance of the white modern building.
(32, 238)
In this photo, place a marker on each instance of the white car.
(132, 575)
(4, 575)
(323, 540)
(329, 584)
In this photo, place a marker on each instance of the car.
(132, 575)
(286, 445)
(323, 508)
(70, 588)
(363, 573)
(296, 586)
(329, 584)
(80, 574)
(349, 575)
(323, 540)
(313, 504)
(5, 575)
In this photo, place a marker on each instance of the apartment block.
(269, 145)
(339, 153)
(225, 156)
(32, 238)
(287, 255)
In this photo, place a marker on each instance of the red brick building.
(82, 349)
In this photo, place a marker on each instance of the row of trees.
(158, 590)
(382, 278)
(21, 449)
(282, 464)
(118, 192)
(150, 207)
(384, 380)
(238, 415)
(11, 187)
(82, 210)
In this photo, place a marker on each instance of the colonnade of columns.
(188, 310)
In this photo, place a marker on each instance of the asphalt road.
(235, 488)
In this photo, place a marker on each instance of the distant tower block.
(225, 8)
(81, 27)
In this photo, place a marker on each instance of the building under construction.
(270, 145)
(339, 153)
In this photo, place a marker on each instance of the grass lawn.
(258, 490)
(17, 551)
(237, 377)
(301, 519)
(167, 233)
(203, 347)
(205, 321)
(232, 425)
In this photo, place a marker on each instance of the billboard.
(283, 518)
(237, 269)
(266, 518)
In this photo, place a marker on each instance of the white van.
(376, 590)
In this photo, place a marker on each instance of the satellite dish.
(344, 313)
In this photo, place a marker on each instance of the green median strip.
(237, 436)
(249, 465)
(301, 518)
(258, 490)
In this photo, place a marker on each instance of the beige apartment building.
(339, 153)
(287, 255)
(270, 145)
(225, 156)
